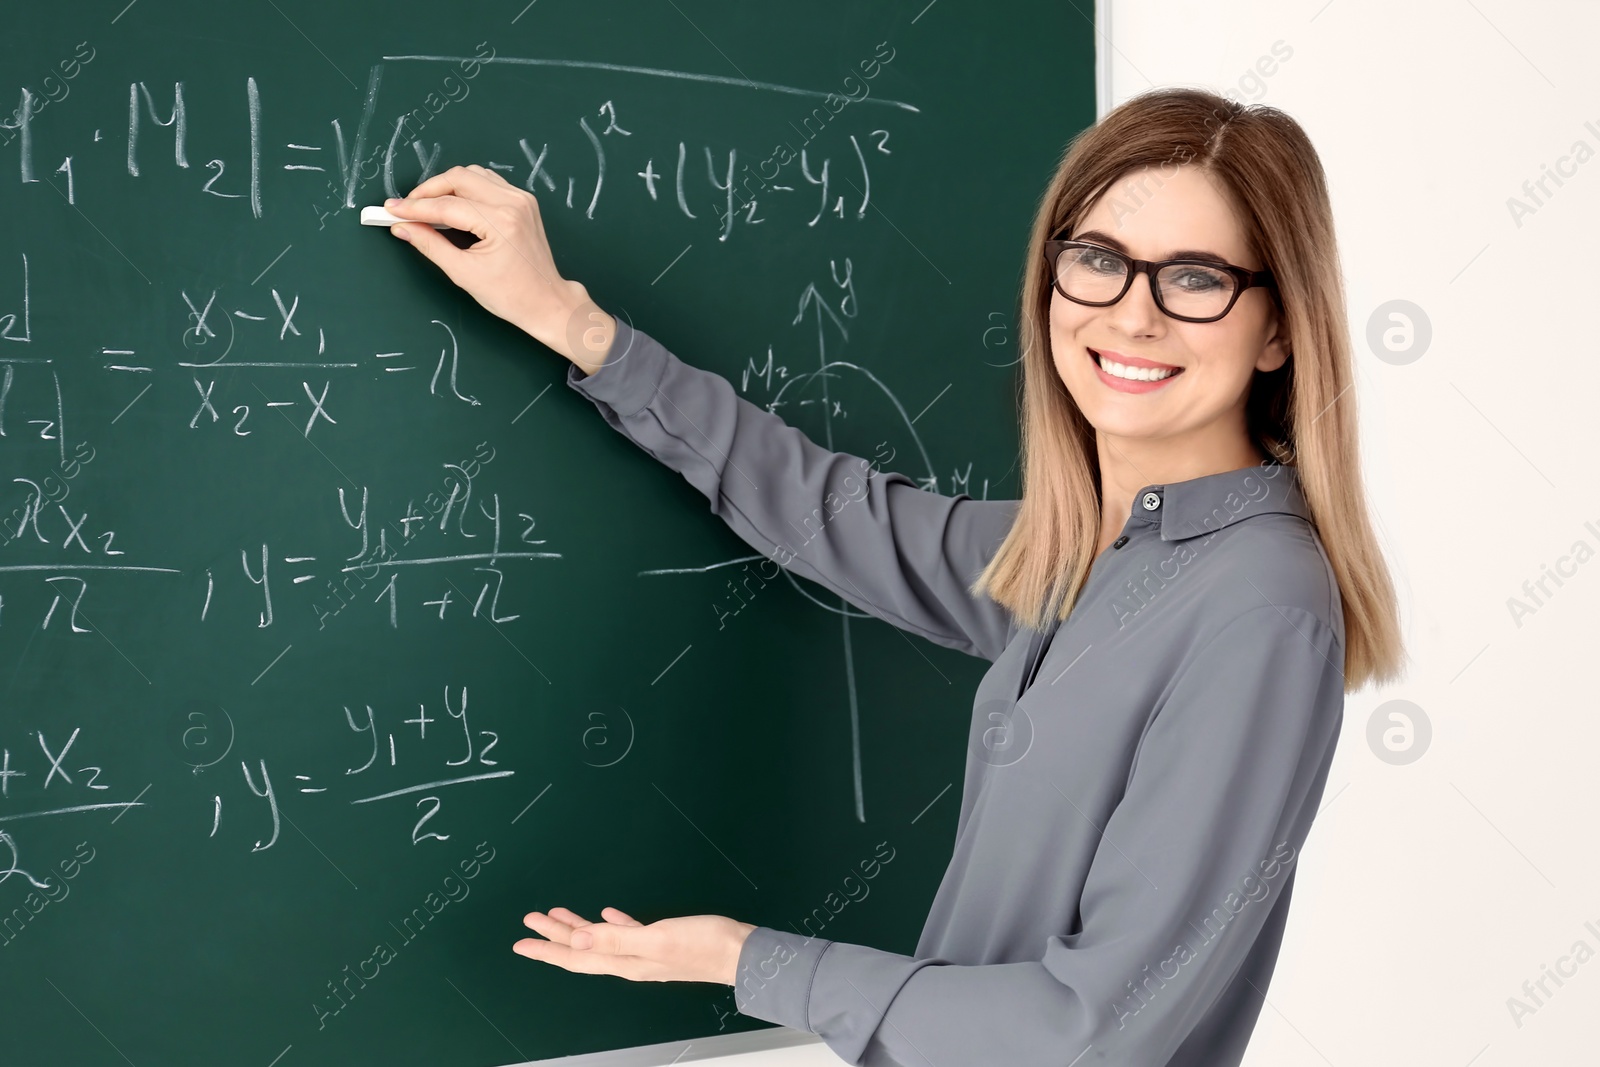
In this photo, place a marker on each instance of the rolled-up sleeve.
(893, 549)
(1224, 786)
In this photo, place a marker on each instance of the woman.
(1190, 576)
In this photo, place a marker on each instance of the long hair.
(1302, 414)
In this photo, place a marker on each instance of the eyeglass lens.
(1094, 275)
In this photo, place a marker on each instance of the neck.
(1128, 465)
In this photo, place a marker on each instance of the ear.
(1275, 353)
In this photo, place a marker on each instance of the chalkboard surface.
(336, 633)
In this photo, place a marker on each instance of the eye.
(1101, 262)
(1192, 279)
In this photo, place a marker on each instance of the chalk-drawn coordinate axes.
(827, 315)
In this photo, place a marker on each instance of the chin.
(1127, 429)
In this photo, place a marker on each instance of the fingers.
(564, 921)
(568, 916)
(459, 181)
(447, 208)
(552, 926)
(629, 967)
(492, 175)
(431, 243)
(510, 271)
(612, 940)
(564, 927)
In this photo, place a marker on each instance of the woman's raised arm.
(893, 549)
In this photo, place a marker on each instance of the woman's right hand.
(510, 270)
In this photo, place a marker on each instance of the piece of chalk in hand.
(377, 216)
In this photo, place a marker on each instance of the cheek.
(1066, 319)
(1066, 349)
(1225, 354)
(1065, 316)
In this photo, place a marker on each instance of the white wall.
(1430, 892)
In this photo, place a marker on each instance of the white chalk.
(377, 216)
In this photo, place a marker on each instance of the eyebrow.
(1098, 237)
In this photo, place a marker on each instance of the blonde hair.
(1303, 414)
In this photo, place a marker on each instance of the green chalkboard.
(336, 633)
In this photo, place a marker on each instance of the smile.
(1129, 379)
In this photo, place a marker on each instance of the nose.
(1136, 314)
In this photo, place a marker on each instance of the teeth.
(1134, 374)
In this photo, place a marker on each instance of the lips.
(1139, 384)
(1133, 361)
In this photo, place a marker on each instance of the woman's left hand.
(693, 948)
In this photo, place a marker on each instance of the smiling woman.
(1122, 873)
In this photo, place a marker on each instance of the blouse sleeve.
(874, 537)
(1224, 785)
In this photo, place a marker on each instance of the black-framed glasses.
(1188, 289)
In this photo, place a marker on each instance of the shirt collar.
(1206, 504)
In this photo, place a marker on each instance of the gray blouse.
(1139, 780)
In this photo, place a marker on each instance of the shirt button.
(1119, 542)
(1151, 501)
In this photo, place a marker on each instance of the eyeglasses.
(1187, 289)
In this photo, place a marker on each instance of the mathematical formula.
(337, 164)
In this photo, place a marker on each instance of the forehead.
(1155, 211)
